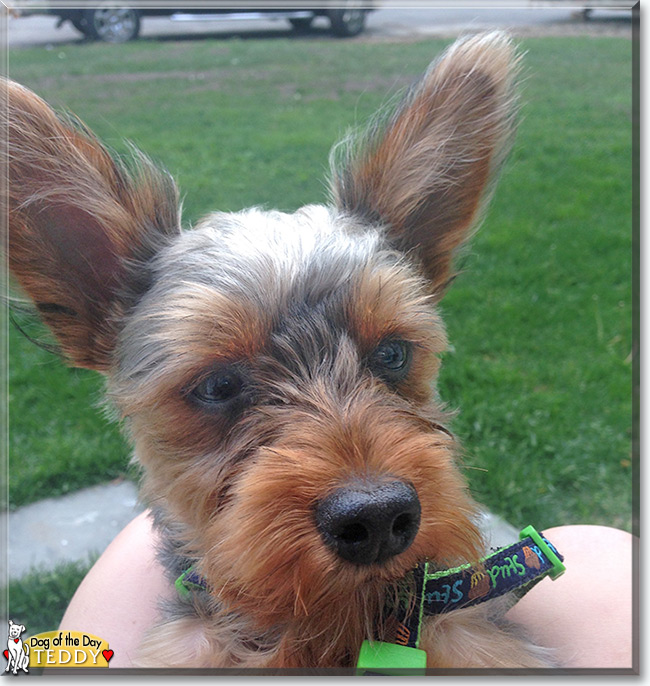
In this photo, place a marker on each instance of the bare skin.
(118, 599)
(585, 615)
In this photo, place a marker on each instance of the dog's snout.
(368, 523)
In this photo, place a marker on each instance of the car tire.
(111, 24)
(347, 21)
(79, 24)
(301, 24)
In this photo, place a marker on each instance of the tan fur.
(293, 312)
(466, 639)
(185, 642)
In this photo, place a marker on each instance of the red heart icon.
(108, 654)
(6, 654)
(16, 640)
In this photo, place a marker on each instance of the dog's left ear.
(81, 224)
(426, 173)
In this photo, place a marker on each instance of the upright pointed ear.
(426, 172)
(81, 224)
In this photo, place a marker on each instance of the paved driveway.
(382, 24)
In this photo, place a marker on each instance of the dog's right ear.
(80, 223)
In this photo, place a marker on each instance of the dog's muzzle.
(369, 522)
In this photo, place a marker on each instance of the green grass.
(39, 599)
(60, 439)
(540, 320)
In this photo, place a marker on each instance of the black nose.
(368, 523)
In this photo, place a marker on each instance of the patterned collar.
(425, 592)
(512, 569)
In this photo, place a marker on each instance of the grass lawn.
(39, 599)
(540, 320)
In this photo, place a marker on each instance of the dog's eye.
(391, 359)
(219, 387)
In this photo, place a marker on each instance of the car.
(118, 22)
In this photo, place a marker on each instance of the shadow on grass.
(259, 34)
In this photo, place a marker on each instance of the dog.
(17, 652)
(276, 372)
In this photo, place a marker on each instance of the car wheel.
(347, 21)
(301, 24)
(79, 24)
(111, 24)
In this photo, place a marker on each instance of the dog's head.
(276, 371)
(15, 629)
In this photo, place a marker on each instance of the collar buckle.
(547, 548)
(515, 568)
(390, 659)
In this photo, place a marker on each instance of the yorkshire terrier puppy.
(276, 371)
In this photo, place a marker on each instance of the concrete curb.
(70, 528)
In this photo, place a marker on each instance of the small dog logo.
(17, 652)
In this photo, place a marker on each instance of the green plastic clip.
(558, 568)
(183, 585)
(379, 658)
